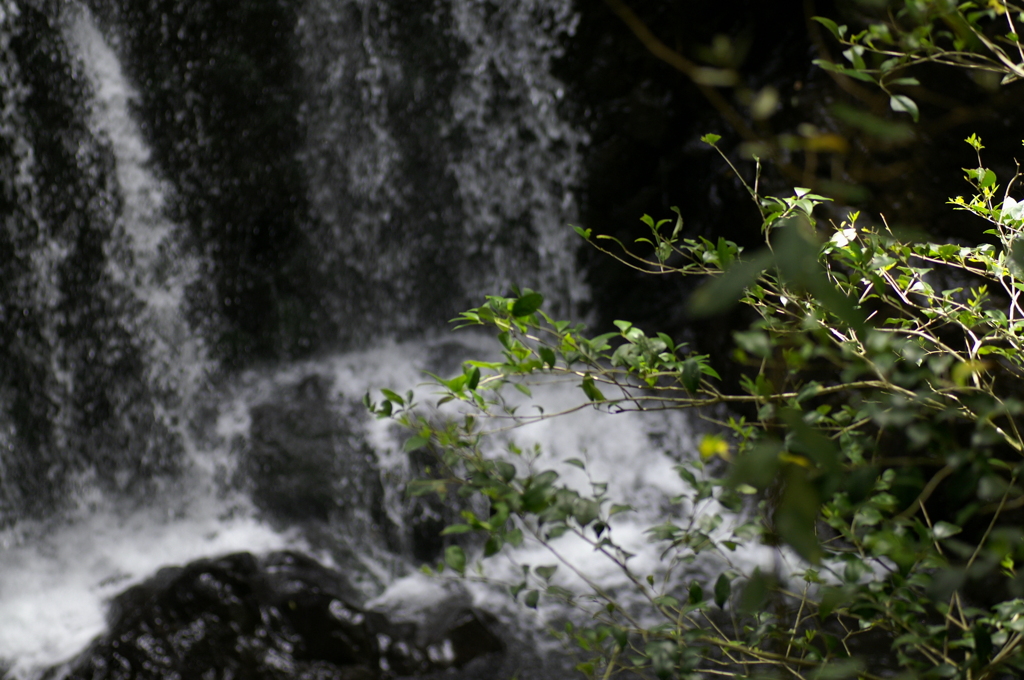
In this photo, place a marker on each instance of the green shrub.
(873, 433)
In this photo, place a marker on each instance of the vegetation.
(872, 436)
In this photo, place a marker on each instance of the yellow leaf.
(962, 372)
(795, 459)
(712, 445)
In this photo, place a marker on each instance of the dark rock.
(306, 460)
(438, 617)
(280, 616)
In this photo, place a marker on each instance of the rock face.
(281, 616)
(306, 461)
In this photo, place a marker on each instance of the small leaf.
(837, 31)
(691, 375)
(492, 546)
(755, 593)
(527, 304)
(546, 572)
(945, 530)
(456, 529)
(710, 139)
(712, 445)
(1015, 259)
(455, 558)
(532, 598)
(901, 103)
(797, 513)
(590, 389)
(723, 589)
(506, 470)
(725, 290)
(393, 397)
(413, 443)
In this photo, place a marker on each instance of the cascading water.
(396, 161)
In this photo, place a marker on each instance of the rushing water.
(154, 404)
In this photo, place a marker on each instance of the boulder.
(277, 617)
(306, 461)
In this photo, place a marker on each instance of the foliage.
(980, 37)
(872, 435)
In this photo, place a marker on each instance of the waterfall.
(151, 260)
(59, 572)
(440, 164)
(226, 222)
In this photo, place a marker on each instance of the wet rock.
(439, 617)
(280, 616)
(306, 460)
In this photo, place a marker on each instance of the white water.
(150, 262)
(54, 590)
(515, 169)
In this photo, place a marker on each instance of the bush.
(872, 434)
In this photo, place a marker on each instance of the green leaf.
(901, 103)
(413, 443)
(837, 31)
(837, 68)
(1015, 258)
(493, 545)
(546, 572)
(527, 304)
(710, 139)
(506, 471)
(455, 558)
(456, 529)
(755, 592)
(725, 290)
(754, 342)
(723, 589)
(585, 233)
(393, 396)
(691, 375)
(830, 599)
(590, 389)
(839, 669)
(757, 466)
(547, 356)
(945, 530)
(886, 130)
(585, 511)
(532, 598)
(797, 514)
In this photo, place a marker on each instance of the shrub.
(872, 434)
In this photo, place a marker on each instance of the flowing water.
(195, 298)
